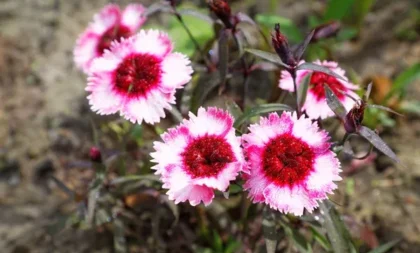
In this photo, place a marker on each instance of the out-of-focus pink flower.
(290, 163)
(199, 156)
(138, 77)
(110, 24)
(315, 104)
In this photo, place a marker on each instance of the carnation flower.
(315, 104)
(199, 156)
(138, 77)
(290, 163)
(109, 25)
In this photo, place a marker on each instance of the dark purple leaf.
(242, 17)
(334, 103)
(223, 55)
(376, 141)
(302, 47)
(384, 108)
(274, 58)
(319, 68)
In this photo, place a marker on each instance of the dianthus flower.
(290, 163)
(199, 156)
(109, 25)
(315, 104)
(138, 77)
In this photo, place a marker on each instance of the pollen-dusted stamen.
(207, 156)
(138, 74)
(287, 160)
(318, 79)
(114, 33)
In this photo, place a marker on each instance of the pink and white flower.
(138, 77)
(199, 156)
(110, 24)
(315, 104)
(290, 162)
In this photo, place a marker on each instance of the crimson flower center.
(138, 74)
(114, 33)
(206, 156)
(287, 160)
(318, 79)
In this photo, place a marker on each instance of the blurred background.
(46, 130)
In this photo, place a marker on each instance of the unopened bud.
(95, 155)
(354, 118)
(222, 10)
(281, 45)
(326, 30)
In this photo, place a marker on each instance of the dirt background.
(44, 123)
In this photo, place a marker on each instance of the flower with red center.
(315, 104)
(138, 77)
(110, 24)
(199, 156)
(290, 162)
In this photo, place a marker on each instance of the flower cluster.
(285, 160)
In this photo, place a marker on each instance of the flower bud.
(222, 10)
(95, 155)
(281, 45)
(354, 118)
(326, 30)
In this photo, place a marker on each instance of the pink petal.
(176, 71)
(152, 42)
(108, 17)
(212, 121)
(133, 16)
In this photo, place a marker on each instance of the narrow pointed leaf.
(260, 109)
(269, 230)
(233, 108)
(403, 80)
(319, 68)
(367, 93)
(385, 247)
(157, 7)
(302, 47)
(197, 14)
(223, 55)
(274, 58)
(334, 103)
(303, 90)
(336, 230)
(245, 18)
(376, 141)
(206, 83)
(120, 242)
(384, 108)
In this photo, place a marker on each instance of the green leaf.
(205, 84)
(233, 108)
(303, 90)
(336, 230)
(120, 242)
(385, 247)
(260, 109)
(274, 58)
(337, 9)
(269, 230)
(288, 28)
(403, 80)
(320, 238)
